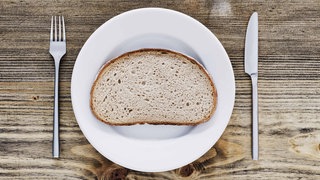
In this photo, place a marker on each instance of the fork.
(57, 50)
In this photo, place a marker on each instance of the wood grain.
(289, 90)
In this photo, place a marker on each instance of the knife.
(251, 68)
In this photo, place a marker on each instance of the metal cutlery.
(251, 68)
(57, 50)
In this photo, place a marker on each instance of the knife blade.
(251, 68)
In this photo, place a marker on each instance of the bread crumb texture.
(153, 86)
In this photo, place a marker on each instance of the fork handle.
(55, 142)
(255, 117)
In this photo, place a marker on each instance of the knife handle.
(255, 127)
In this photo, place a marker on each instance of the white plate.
(152, 148)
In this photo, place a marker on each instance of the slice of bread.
(153, 86)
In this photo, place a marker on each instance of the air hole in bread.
(105, 97)
(119, 81)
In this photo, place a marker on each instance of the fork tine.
(55, 28)
(64, 30)
(59, 38)
(51, 29)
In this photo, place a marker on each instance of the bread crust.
(214, 91)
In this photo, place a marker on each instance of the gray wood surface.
(289, 90)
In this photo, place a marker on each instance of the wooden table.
(289, 90)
